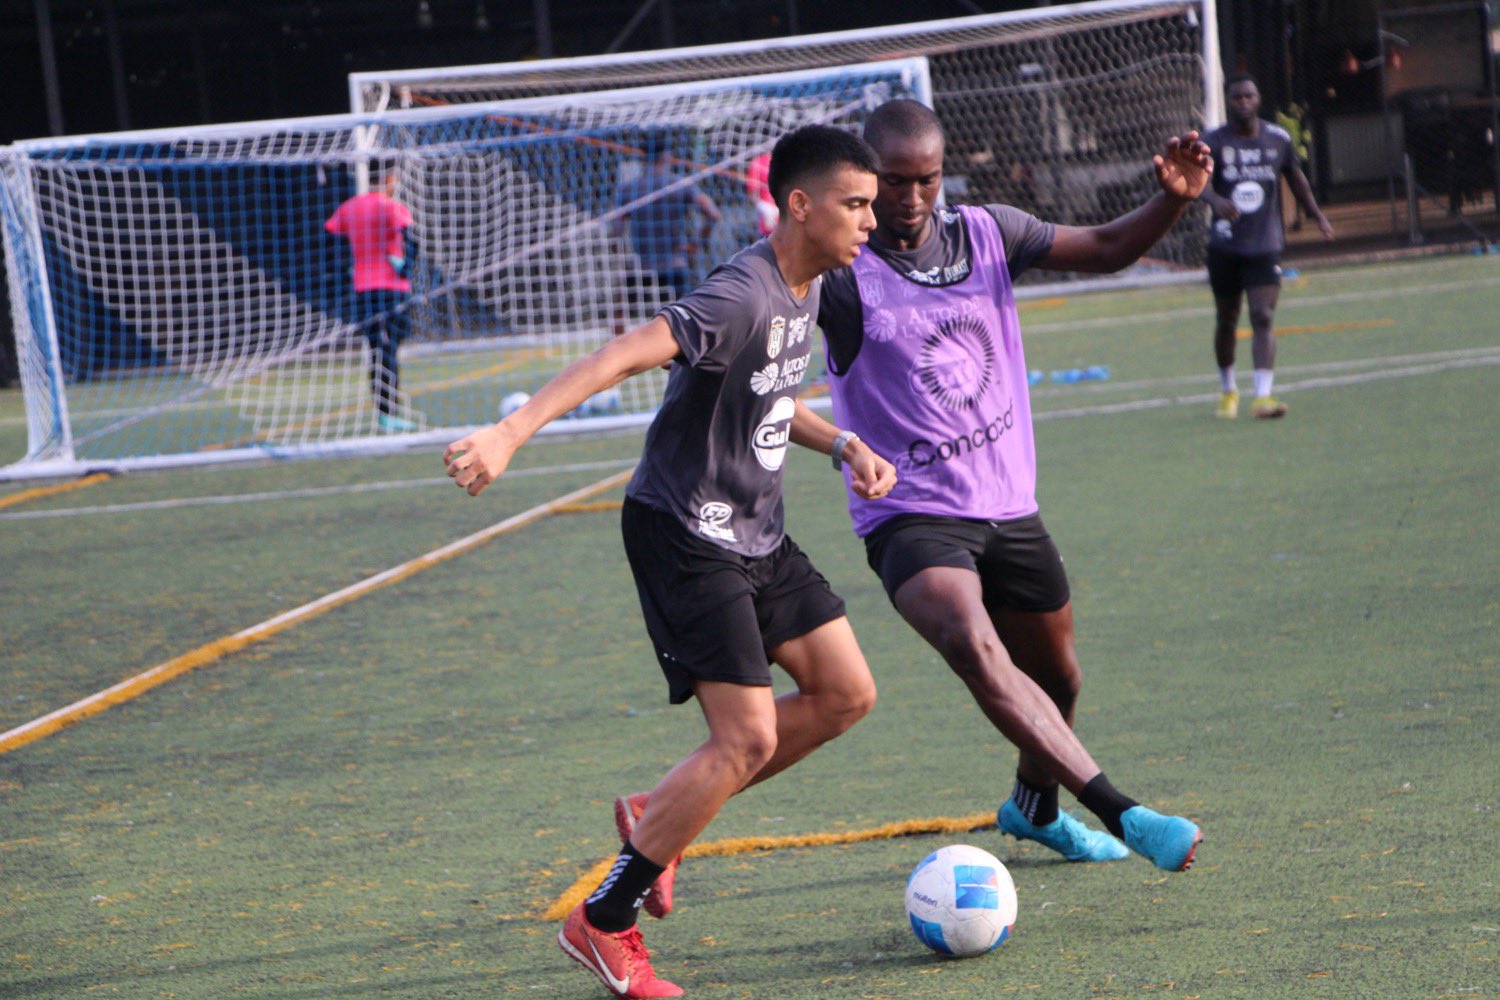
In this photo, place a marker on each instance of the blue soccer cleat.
(1169, 841)
(1065, 835)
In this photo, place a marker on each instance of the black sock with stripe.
(613, 906)
(1038, 803)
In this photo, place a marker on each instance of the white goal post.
(1056, 110)
(178, 299)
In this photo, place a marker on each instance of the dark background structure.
(81, 66)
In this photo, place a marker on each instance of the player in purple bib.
(927, 368)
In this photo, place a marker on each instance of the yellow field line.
(591, 508)
(47, 491)
(1243, 333)
(579, 890)
(220, 648)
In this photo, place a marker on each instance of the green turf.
(1288, 632)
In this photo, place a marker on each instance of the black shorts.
(712, 614)
(1229, 274)
(1018, 565)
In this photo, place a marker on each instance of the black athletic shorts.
(712, 614)
(1229, 274)
(1018, 565)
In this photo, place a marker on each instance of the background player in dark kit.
(1246, 237)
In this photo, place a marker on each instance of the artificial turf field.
(1288, 631)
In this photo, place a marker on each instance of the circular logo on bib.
(770, 438)
(957, 363)
(1248, 196)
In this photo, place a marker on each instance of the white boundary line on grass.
(210, 652)
(1330, 374)
(1289, 302)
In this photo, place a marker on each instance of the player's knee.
(851, 703)
(1260, 319)
(971, 651)
(750, 747)
(1063, 686)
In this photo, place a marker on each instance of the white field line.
(1330, 374)
(1292, 302)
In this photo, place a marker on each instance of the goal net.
(178, 297)
(1056, 111)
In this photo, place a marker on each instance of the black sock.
(1105, 801)
(612, 907)
(1038, 803)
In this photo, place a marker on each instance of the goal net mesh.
(1056, 111)
(178, 299)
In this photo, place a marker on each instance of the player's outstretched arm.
(480, 458)
(871, 476)
(1182, 172)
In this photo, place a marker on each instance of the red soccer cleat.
(621, 960)
(628, 809)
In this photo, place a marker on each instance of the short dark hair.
(814, 150)
(1234, 78)
(903, 117)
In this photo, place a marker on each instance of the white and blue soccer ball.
(961, 901)
(513, 402)
(602, 403)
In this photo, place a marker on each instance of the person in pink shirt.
(375, 223)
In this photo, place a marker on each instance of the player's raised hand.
(477, 460)
(871, 476)
(1184, 169)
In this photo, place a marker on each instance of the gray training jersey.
(942, 259)
(1247, 171)
(715, 451)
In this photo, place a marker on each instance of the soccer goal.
(1056, 111)
(178, 300)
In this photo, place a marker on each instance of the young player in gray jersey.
(926, 361)
(723, 589)
(1246, 237)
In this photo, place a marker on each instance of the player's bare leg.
(834, 691)
(945, 605)
(1042, 645)
(741, 741)
(1262, 300)
(1226, 324)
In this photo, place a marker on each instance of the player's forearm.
(811, 431)
(1121, 242)
(1302, 191)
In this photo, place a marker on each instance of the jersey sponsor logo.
(770, 438)
(940, 275)
(956, 364)
(796, 330)
(773, 339)
(1248, 196)
(923, 452)
(776, 377)
(713, 520)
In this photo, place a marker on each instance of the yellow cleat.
(1267, 408)
(1229, 405)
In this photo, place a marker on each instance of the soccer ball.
(510, 404)
(602, 403)
(961, 901)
